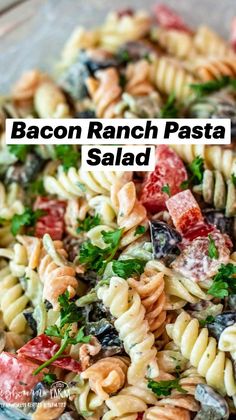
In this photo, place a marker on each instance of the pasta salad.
(118, 289)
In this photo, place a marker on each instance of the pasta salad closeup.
(118, 289)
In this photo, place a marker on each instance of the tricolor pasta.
(117, 288)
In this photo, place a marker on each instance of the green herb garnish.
(97, 258)
(67, 155)
(28, 218)
(169, 110)
(69, 313)
(164, 388)
(139, 230)
(208, 320)
(196, 167)
(184, 185)
(224, 282)
(124, 56)
(233, 179)
(88, 223)
(36, 187)
(49, 378)
(166, 189)
(201, 89)
(212, 250)
(20, 151)
(129, 267)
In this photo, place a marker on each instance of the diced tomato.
(184, 210)
(42, 348)
(168, 19)
(16, 378)
(169, 171)
(139, 416)
(233, 34)
(53, 221)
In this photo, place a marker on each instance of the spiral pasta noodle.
(117, 30)
(148, 106)
(196, 345)
(218, 192)
(178, 289)
(125, 305)
(215, 69)
(131, 213)
(150, 288)
(176, 43)
(57, 277)
(170, 76)
(223, 160)
(106, 376)
(77, 183)
(50, 102)
(129, 401)
(210, 43)
(13, 301)
(138, 79)
(105, 92)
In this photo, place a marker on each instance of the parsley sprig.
(88, 223)
(196, 167)
(208, 320)
(129, 267)
(69, 313)
(224, 282)
(67, 155)
(49, 378)
(97, 258)
(169, 109)
(201, 89)
(164, 388)
(139, 230)
(28, 218)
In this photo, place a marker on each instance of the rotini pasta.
(223, 160)
(170, 76)
(196, 345)
(218, 192)
(133, 330)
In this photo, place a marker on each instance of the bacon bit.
(168, 19)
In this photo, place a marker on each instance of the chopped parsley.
(233, 179)
(20, 151)
(224, 282)
(28, 218)
(49, 378)
(166, 189)
(139, 230)
(36, 187)
(164, 388)
(124, 56)
(196, 167)
(201, 89)
(129, 267)
(88, 223)
(184, 185)
(169, 110)
(67, 155)
(208, 320)
(212, 249)
(97, 258)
